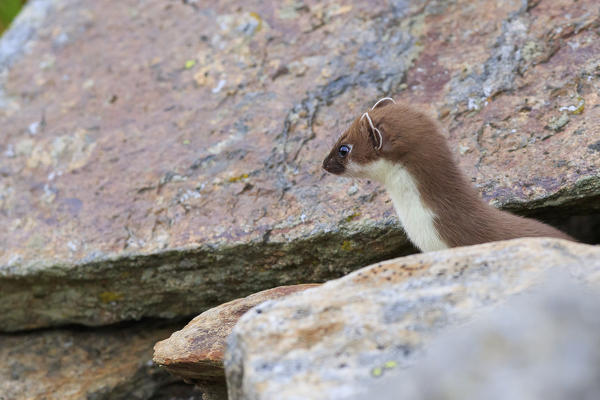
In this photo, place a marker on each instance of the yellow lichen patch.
(378, 371)
(352, 216)
(347, 245)
(580, 106)
(109, 297)
(190, 64)
(575, 109)
(258, 19)
(237, 178)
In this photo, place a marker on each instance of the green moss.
(8, 11)
(182, 282)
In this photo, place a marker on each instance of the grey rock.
(540, 345)
(337, 340)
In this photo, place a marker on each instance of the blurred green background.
(8, 11)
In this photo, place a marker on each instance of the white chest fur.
(416, 218)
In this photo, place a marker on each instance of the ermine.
(405, 151)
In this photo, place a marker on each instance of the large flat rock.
(73, 364)
(338, 340)
(160, 158)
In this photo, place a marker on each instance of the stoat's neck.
(418, 220)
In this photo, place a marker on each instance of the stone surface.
(335, 341)
(73, 364)
(196, 352)
(156, 154)
(521, 105)
(543, 345)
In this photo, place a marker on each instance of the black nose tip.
(328, 165)
(332, 166)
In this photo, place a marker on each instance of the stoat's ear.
(374, 133)
(382, 102)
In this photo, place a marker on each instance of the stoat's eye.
(344, 150)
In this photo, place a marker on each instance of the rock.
(73, 364)
(195, 353)
(496, 100)
(160, 177)
(337, 340)
(542, 345)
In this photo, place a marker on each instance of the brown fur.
(414, 140)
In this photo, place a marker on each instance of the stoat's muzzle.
(333, 165)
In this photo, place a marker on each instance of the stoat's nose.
(333, 166)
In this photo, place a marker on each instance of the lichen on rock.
(158, 159)
(340, 339)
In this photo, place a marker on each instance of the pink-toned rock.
(75, 364)
(518, 91)
(196, 352)
(156, 155)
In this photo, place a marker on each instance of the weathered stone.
(108, 363)
(195, 353)
(148, 180)
(543, 345)
(336, 340)
(525, 65)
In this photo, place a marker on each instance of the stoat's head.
(388, 132)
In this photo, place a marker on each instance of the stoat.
(403, 149)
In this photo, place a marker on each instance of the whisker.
(383, 99)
